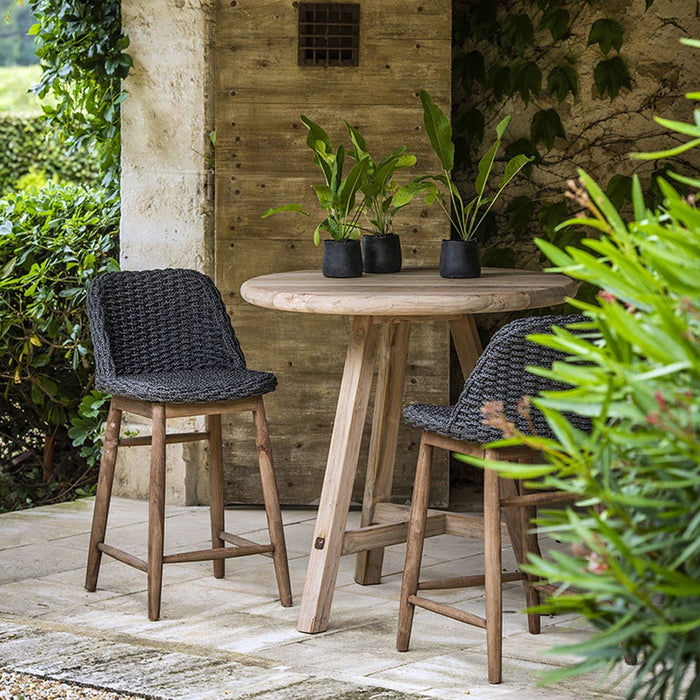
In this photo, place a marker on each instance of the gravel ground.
(21, 686)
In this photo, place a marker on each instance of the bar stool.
(501, 376)
(165, 348)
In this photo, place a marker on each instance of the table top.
(411, 292)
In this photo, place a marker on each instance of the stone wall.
(600, 132)
(167, 210)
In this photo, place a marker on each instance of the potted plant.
(381, 247)
(342, 256)
(460, 257)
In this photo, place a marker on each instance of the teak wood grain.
(383, 309)
(411, 293)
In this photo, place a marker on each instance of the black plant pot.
(381, 253)
(460, 259)
(342, 259)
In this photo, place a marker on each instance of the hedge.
(52, 243)
(28, 144)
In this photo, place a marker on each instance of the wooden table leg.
(467, 343)
(338, 481)
(391, 372)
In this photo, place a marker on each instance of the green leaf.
(513, 167)
(324, 194)
(521, 212)
(552, 214)
(668, 153)
(611, 75)
(481, 21)
(351, 185)
(407, 192)
(527, 148)
(501, 128)
(607, 33)
(619, 190)
(470, 125)
(517, 34)
(556, 19)
(316, 135)
(498, 80)
(561, 81)
(439, 131)
(358, 140)
(468, 68)
(485, 166)
(546, 126)
(47, 384)
(526, 79)
(680, 127)
(286, 207)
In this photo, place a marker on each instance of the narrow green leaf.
(439, 131)
(286, 207)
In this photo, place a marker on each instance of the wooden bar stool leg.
(156, 512)
(492, 570)
(216, 490)
(414, 543)
(531, 545)
(272, 504)
(100, 513)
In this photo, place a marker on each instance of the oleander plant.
(632, 566)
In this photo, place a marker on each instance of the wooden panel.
(277, 128)
(414, 19)
(262, 161)
(268, 72)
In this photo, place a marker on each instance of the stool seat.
(191, 385)
(429, 417)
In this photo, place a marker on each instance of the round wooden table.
(383, 308)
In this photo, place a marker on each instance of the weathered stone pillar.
(167, 202)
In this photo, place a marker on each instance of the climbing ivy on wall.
(82, 53)
(519, 55)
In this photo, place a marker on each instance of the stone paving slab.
(230, 638)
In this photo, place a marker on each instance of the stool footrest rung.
(466, 581)
(170, 439)
(239, 541)
(122, 556)
(447, 611)
(196, 555)
(219, 553)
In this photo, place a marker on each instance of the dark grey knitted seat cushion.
(164, 335)
(500, 375)
(191, 386)
(428, 417)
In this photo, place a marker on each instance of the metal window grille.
(329, 34)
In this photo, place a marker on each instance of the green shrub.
(52, 243)
(28, 143)
(634, 565)
(81, 48)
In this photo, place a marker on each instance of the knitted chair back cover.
(501, 375)
(159, 321)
